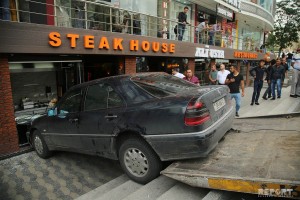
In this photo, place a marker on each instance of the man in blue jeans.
(258, 74)
(182, 23)
(234, 80)
(277, 73)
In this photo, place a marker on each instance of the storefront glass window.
(98, 16)
(63, 13)
(160, 64)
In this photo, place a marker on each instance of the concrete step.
(153, 190)
(103, 189)
(218, 195)
(121, 191)
(184, 192)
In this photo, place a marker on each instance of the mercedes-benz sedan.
(141, 120)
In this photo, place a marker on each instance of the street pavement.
(284, 105)
(63, 176)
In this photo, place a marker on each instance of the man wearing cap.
(295, 86)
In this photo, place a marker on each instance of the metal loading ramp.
(266, 163)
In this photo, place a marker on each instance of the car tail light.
(196, 113)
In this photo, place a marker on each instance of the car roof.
(118, 77)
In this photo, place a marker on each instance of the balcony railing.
(97, 16)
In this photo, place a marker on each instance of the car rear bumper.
(191, 145)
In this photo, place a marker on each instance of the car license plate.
(219, 104)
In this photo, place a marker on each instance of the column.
(9, 142)
(130, 64)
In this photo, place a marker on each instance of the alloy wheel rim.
(38, 144)
(136, 162)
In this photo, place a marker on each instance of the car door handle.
(74, 120)
(111, 116)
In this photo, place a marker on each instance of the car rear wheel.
(139, 161)
(40, 146)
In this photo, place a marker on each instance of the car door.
(102, 111)
(63, 127)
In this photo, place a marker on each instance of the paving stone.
(63, 176)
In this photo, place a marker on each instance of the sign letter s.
(54, 39)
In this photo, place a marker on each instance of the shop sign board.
(248, 55)
(103, 43)
(209, 53)
(224, 12)
(234, 3)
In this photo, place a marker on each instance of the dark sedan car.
(139, 119)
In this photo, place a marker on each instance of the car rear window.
(162, 85)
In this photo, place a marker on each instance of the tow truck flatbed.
(263, 162)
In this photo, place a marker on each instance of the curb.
(26, 150)
(285, 115)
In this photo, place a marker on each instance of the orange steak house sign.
(91, 42)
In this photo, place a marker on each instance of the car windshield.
(162, 84)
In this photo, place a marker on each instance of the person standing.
(182, 23)
(289, 60)
(276, 74)
(295, 87)
(213, 75)
(234, 80)
(286, 68)
(268, 71)
(258, 74)
(201, 32)
(215, 29)
(191, 78)
(175, 72)
(222, 75)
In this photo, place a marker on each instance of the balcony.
(259, 14)
(104, 17)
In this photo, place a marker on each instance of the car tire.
(139, 161)
(40, 145)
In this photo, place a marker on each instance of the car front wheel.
(40, 146)
(139, 161)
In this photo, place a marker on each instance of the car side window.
(101, 96)
(114, 100)
(71, 103)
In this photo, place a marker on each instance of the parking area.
(63, 176)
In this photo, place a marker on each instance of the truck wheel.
(139, 161)
(40, 146)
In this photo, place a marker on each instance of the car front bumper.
(191, 145)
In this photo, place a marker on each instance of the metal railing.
(98, 16)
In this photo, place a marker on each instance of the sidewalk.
(284, 105)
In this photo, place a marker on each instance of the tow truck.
(256, 160)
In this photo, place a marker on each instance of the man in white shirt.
(295, 86)
(175, 72)
(222, 74)
(200, 32)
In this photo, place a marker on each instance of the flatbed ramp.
(266, 163)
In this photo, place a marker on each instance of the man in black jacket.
(276, 74)
(258, 74)
(268, 90)
(182, 23)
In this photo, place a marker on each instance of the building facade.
(47, 46)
